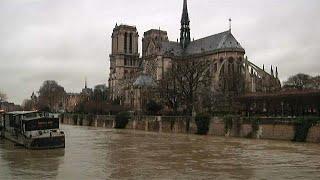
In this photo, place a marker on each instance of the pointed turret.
(277, 72)
(272, 71)
(185, 26)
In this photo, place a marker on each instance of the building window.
(125, 61)
(130, 48)
(125, 42)
(117, 44)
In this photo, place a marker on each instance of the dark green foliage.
(302, 127)
(81, 117)
(62, 118)
(44, 108)
(203, 122)
(75, 119)
(228, 123)
(122, 120)
(90, 119)
(153, 108)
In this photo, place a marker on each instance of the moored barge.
(33, 129)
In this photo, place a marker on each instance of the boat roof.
(21, 112)
(34, 118)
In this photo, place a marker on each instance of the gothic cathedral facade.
(131, 75)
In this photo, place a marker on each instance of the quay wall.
(217, 126)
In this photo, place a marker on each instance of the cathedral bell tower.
(124, 59)
(185, 27)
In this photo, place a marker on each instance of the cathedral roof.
(172, 48)
(222, 41)
(144, 81)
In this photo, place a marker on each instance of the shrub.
(75, 119)
(122, 120)
(153, 107)
(90, 119)
(203, 122)
(302, 127)
(81, 117)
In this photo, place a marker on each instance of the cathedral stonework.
(124, 59)
(230, 69)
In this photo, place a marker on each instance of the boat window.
(41, 124)
(30, 115)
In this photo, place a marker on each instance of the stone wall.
(282, 130)
(277, 131)
(314, 134)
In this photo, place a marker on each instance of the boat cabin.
(24, 121)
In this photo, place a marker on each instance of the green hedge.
(203, 122)
(122, 120)
(302, 126)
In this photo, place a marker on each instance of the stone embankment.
(267, 128)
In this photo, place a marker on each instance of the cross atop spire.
(230, 25)
(185, 26)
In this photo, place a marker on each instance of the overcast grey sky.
(66, 40)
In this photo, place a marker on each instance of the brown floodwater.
(96, 153)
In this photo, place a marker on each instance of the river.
(96, 153)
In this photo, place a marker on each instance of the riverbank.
(260, 128)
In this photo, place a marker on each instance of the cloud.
(68, 40)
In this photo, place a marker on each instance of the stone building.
(124, 59)
(230, 69)
(9, 107)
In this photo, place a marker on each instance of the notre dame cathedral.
(131, 74)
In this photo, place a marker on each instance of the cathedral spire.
(85, 83)
(185, 26)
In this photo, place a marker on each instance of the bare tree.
(27, 105)
(303, 81)
(51, 96)
(167, 89)
(184, 82)
(298, 81)
(315, 82)
(3, 96)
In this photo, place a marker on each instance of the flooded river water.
(93, 153)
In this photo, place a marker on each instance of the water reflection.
(29, 164)
(120, 154)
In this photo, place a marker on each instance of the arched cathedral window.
(130, 43)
